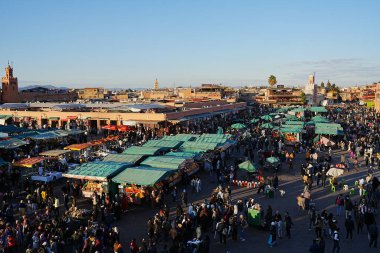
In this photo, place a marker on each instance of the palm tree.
(272, 80)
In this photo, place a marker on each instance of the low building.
(280, 95)
(91, 93)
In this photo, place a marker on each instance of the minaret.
(156, 87)
(9, 83)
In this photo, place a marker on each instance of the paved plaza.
(133, 223)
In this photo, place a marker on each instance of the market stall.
(291, 133)
(30, 165)
(97, 176)
(124, 158)
(134, 181)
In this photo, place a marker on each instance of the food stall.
(124, 158)
(291, 133)
(97, 176)
(30, 165)
(133, 182)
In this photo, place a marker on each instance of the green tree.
(322, 84)
(303, 98)
(272, 80)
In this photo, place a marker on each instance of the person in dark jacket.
(373, 232)
(350, 226)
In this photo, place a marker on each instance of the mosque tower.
(9, 84)
(156, 87)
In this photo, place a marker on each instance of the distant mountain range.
(50, 87)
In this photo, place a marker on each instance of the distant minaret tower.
(9, 93)
(156, 87)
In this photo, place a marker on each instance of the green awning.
(165, 162)
(248, 166)
(293, 122)
(163, 143)
(143, 176)
(123, 158)
(317, 109)
(180, 137)
(272, 159)
(328, 128)
(12, 143)
(291, 129)
(136, 150)
(319, 119)
(96, 171)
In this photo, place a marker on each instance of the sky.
(130, 43)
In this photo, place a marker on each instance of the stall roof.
(163, 143)
(14, 106)
(96, 171)
(320, 119)
(77, 147)
(26, 135)
(61, 107)
(188, 154)
(55, 152)
(137, 150)
(294, 129)
(12, 129)
(166, 162)
(293, 122)
(328, 128)
(123, 158)
(318, 109)
(144, 176)
(181, 137)
(47, 136)
(12, 143)
(198, 146)
(29, 162)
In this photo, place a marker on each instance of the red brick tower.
(9, 84)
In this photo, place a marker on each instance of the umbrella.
(320, 119)
(335, 172)
(266, 117)
(238, 126)
(272, 159)
(254, 121)
(248, 166)
(267, 125)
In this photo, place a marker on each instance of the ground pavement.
(133, 223)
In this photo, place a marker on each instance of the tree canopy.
(272, 80)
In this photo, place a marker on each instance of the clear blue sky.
(130, 43)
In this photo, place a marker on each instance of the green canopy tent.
(248, 166)
(298, 110)
(96, 171)
(168, 144)
(266, 118)
(320, 119)
(267, 126)
(318, 109)
(272, 160)
(238, 126)
(296, 123)
(180, 137)
(124, 158)
(293, 118)
(165, 162)
(136, 150)
(143, 176)
(328, 128)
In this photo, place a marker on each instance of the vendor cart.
(272, 163)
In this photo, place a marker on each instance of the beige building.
(377, 98)
(91, 93)
(280, 95)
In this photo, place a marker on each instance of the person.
(244, 226)
(272, 235)
(336, 240)
(288, 224)
(373, 232)
(184, 197)
(133, 246)
(339, 202)
(117, 248)
(350, 226)
(314, 248)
